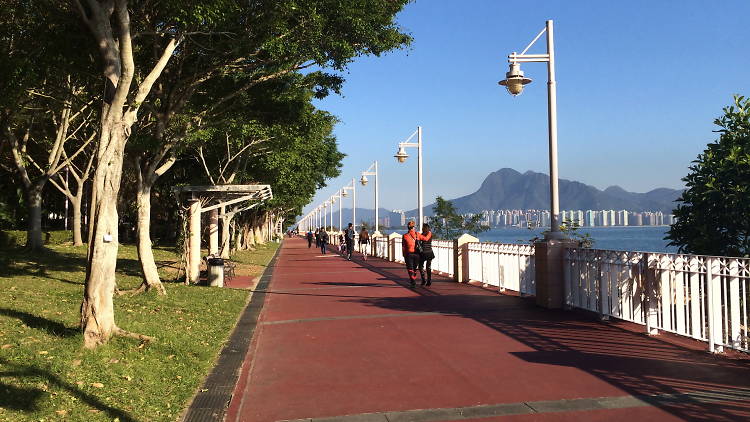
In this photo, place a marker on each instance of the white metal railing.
(444, 251)
(398, 254)
(703, 297)
(381, 247)
(504, 265)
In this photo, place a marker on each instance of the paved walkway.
(347, 341)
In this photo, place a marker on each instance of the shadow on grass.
(28, 399)
(54, 328)
(19, 262)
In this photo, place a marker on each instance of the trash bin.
(216, 272)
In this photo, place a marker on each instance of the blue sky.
(639, 85)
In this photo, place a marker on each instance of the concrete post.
(392, 246)
(461, 257)
(549, 272)
(224, 233)
(213, 232)
(194, 242)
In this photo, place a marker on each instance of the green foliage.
(17, 238)
(570, 230)
(713, 214)
(447, 223)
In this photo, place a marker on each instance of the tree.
(713, 213)
(247, 44)
(447, 223)
(45, 116)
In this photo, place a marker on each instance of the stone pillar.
(549, 272)
(224, 233)
(461, 257)
(194, 239)
(392, 246)
(213, 232)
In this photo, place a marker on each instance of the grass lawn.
(45, 375)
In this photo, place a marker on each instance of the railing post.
(392, 246)
(651, 309)
(715, 314)
(461, 257)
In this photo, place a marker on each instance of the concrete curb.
(211, 401)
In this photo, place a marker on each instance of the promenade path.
(347, 341)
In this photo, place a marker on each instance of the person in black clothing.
(309, 238)
(323, 240)
(317, 238)
(427, 255)
(349, 237)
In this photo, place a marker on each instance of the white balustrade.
(503, 265)
(702, 297)
(443, 262)
(397, 252)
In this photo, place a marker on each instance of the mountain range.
(510, 189)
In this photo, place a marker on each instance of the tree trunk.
(258, 235)
(151, 278)
(77, 215)
(34, 231)
(97, 312)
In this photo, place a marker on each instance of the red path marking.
(370, 348)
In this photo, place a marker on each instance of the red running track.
(340, 337)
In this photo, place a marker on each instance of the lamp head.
(401, 155)
(344, 193)
(363, 180)
(514, 80)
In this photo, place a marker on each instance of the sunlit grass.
(46, 375)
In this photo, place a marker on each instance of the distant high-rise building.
(622, 218)
(590, 218)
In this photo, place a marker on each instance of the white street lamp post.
(514, 82)
(401, 156)
(353, 188)
(372, 171)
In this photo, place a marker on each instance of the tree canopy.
(447, 223)
(713, 214)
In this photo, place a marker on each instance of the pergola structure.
(216, 198)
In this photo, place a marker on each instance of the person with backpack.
(410, 246)
(364, 240)
(349, 237)
(323, 235)
(427, 255)
(309, 236)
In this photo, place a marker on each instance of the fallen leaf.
(79, 382)
(43, 352)
(114, 360)
(127, 377)
(94, 410)
(61, 412)
(170, 356)
(97, 385)
(6, 346)
(76, 362)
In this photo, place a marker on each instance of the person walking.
(317, 238)
(410, 248)
(364, 240)
(427, 255)
(309, 238)
(323, 240)
(349, 235)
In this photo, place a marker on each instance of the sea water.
(632, 238)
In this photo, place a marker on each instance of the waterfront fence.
(702, 297)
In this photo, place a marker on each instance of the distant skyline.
(639, 85)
